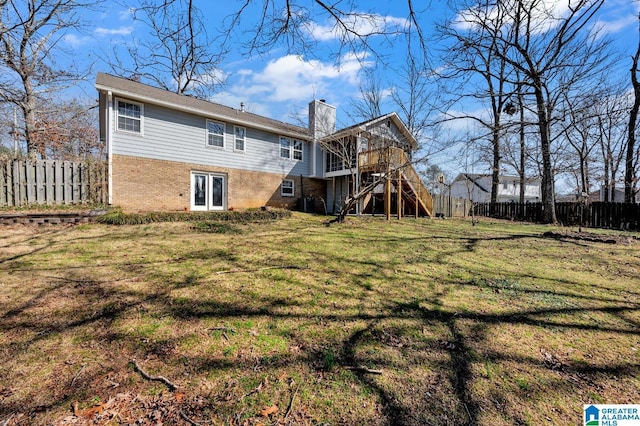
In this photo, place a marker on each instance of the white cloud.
(544, 14)
(618, 15)
(234, 100)
(101, 31)
(74, 41)
(605, 27)
(362, 23)
(290, 80)
(127, 14)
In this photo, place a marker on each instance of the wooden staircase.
(393, 166)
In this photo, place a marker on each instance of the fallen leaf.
(267, 411)
(179, 396)
(90, 412)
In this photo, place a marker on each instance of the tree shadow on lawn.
(401, 406)
(429, 354)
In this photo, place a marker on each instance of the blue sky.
(280, 83)
(275, 83)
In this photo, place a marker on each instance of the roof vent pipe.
(242, 106)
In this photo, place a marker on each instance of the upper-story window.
(290, 148)
(297, 150)
(129, 116)
(240, 138)
(215, 133)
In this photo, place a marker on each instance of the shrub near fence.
(24, 182)
(594, 214)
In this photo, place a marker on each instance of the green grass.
(492, 324)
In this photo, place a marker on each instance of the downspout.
(107, 122)
(313, 156)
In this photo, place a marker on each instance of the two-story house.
(477, 188)
(174, 152)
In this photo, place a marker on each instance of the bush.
(117, 217)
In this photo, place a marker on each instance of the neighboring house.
(477, 188)
(616, 195)
(175, 152)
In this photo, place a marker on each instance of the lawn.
(413, 322)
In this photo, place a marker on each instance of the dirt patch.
(594, 238)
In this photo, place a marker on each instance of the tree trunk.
(629, 174)
(548, 196)
(495, 172)
(522, 173)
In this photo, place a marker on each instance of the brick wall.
(141, 184)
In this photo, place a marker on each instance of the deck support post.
(387, 197)
(399, 195)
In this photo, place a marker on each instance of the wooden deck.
(394, 163)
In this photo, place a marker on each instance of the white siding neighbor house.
(477, 188)
(175, 152)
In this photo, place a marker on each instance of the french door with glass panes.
(208, 191)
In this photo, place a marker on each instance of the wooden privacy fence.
(451, 206)
(593, 214)
(24, 182)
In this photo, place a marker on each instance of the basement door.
(208, 191)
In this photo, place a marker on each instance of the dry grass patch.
(287, 322)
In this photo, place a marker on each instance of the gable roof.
(475, 177)
(361, 127)
(141, 92)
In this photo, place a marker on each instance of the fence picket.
(51, 182)
(596, 214)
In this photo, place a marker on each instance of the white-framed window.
(290, 148)
(297, 150)
(215, 133)
(129, 116)
(286, 188)
(240, 138)
(208, 191)
(285, 147)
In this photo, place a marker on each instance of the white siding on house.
(177, 136)
(480, 191)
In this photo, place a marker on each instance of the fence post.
(4, 176)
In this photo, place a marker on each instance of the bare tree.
(553, 52)
(369, 104)
(630, 176)
(30, 46)
(179, 55)
(416, 95)
(613, 113)
(477, 55)
(69, 130)
(519, 143)
(580, 128)
(294, 24)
